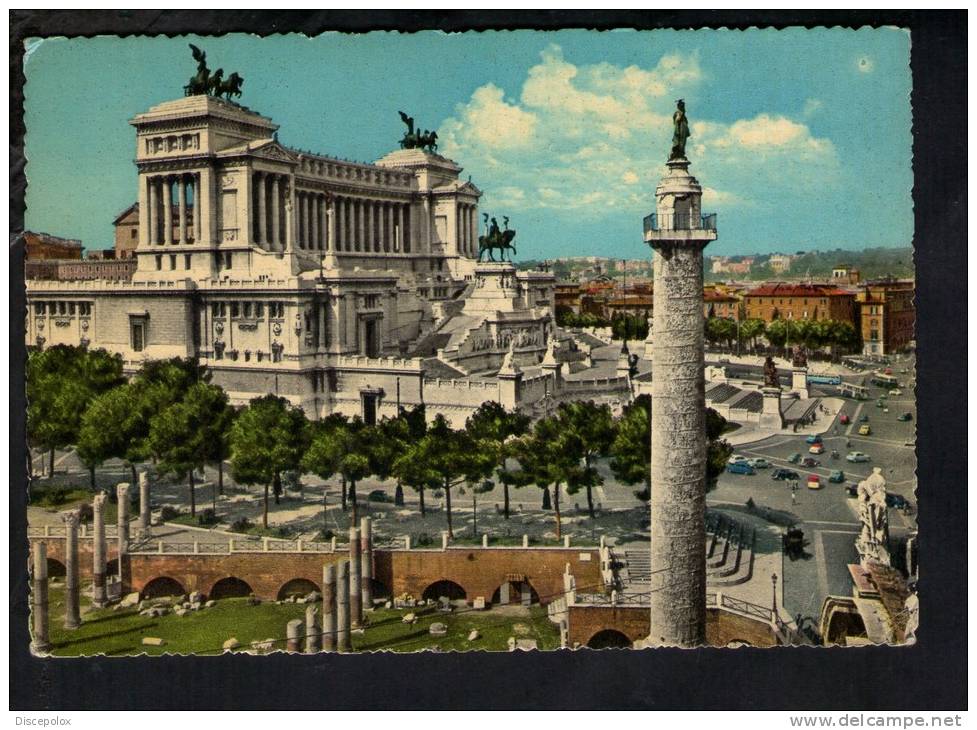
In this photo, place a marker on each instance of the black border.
(930, 675)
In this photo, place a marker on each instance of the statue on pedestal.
(496, 239)
(800, 357)
(682, 133)
(872, 543)
(770, 379)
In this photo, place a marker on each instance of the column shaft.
(261, 188)
(312, 631)
(388, 240)
(144, 508)
(197, 225)
(153, 220)
(342, 606)
(167, 210)
(122, 513)
(401, 241)
(366, 558)
(361, 225)
(355, 586)
(329, 608)
(181, 192)
(99, 594)
(330, 225)
(72, 616)
(276, 223)
(316, 221)
(294, 631)
(41, 643)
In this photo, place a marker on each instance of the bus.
(882, 380)
(824, 379)
(851, 390)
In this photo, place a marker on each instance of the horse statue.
(496, 239)
(214, 84)
(231, 87)
(415, 139)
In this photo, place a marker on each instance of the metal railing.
(680, 222)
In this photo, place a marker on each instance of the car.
(758, 463)
(852, 490)
(864, 430)
(814, 482)
(736, 459)
(816, 449)
(895, 391)
(740, 467)
(809, 462)
(905, 417)
(814, 439)
(897, 501)
(844, 419)
(794, 458)
(857, 457)
(837, 477)
(880, 403)
(785, 475)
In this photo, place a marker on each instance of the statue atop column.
(681, 134)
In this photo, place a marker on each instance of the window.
(259, 310)
(227, 260)
(159, 262)
(134, 234)
(172, 262)
(138, 334)
(234, 309)
(62, 307)
(874, 335)
(39, 307)
(186, 261)
(247, 310)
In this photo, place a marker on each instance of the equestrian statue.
(500, 240)
(203, 82)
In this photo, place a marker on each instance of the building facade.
(800, 301)
(887, 316)
(342, 286)
(45, 247)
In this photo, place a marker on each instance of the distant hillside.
(872, 263)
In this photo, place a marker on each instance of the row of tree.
(783, 333)
(171, 414)
(624, 326)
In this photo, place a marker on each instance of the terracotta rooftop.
(781, 289)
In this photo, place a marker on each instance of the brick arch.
(162, 585)
(609, 639)
(230, 587)
(445, 587)
(379, 589)
(515, 592)
(297, 587)
(55, 568)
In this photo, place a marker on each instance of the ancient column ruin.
(355, 596)
(342, 606)
(72, 615)
(366, 559)
(41, 644)
(312, 631)
(678, 233)
(122, 522)
(294, 630)
(329, 608)
(99, 594)
(144, 509)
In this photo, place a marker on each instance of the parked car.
(837, 477)
(794, 458)
(816, 449)
(785, 475)
(905, 417)
(897, 501)
(857, 457)
(809, 462)
(895, 391)
(814, 439)
(758, 463)
(736, 459)
(740, 467)
(844, 419)
(863, 419)
(864, 430)
(814, 481)
(880, 403)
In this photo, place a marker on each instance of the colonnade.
(371, 226)
(467, 230)
(160, 195)
(268, 196)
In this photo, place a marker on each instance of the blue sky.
(801, 138)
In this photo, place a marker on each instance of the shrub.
(422, 539)
(324, 535)
(377, 495)
(241, 524)
(207, 517)
(168, 513)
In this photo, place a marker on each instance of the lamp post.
(773, 579)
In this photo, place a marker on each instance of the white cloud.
(812, 106)
(592, 139)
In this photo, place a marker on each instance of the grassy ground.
(120, 633)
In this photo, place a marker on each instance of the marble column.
(312, 631)
(473, 222)
(167, 210)
(331, 205)
(401, 242)
(316, 222)
(329, 607)
(366, 559)
(361, 225)
(355, 585)
(259, 184)
(276, 222)
(339, 242)
(181, 192)
(72, 616)
(308, 221)
(41, 643)
(388, 245)
(197, 216)
(300, 220)
(342, 606)
(371, 228)
(99, 594)
(294, 630)
(122, 522)
(153, 210)
(144, 508)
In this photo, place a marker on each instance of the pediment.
(274, 151)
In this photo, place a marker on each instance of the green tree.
(776, 332)
(113, 426)
(341, 447)
(268, 437)
(492, 427)
(591, 431)
(631, 448)
(187, 434)
(751, 329)
(549, 456)
(61, 382)
(720, 330)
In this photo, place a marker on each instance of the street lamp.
(773, 579)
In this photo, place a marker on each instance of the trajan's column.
(678, 232)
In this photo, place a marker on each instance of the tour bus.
(824, 379)
(885, 381)
(851, 390)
